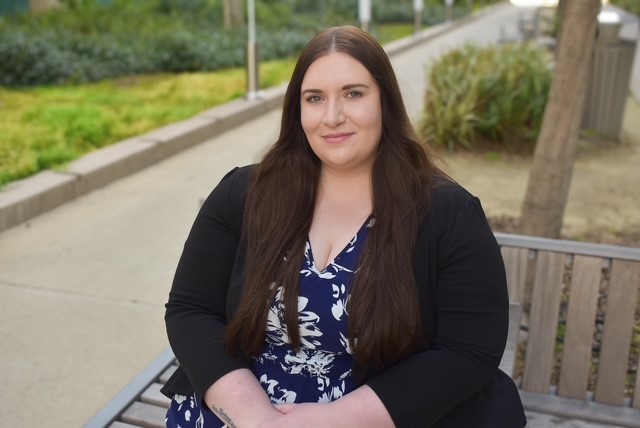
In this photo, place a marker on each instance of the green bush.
(487, 97)
(28, 60)
(85, 43)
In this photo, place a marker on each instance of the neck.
(346, 189)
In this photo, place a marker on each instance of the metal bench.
(555, 287)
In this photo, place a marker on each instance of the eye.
(313, 99)
(353, 94)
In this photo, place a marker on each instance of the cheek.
(308, 119)
(371, 119)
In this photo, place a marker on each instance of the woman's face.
(341, 113)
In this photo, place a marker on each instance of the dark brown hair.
(384, 316)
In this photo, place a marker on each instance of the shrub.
(487, 97)
(30, 60)
(87, 43)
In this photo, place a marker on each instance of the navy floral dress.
(320, 371)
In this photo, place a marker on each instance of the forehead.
(336, 69)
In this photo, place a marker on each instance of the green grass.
(48, 127)
(388, 32)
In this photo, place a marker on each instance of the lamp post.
(448, 10)
(252, 53)
(364, 13)
(418, 6)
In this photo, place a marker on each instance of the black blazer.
(454, 381)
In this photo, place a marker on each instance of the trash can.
(610, 78)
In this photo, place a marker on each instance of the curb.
(25, 199)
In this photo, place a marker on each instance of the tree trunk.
(550, 176)
(233, 13)
(560, 12)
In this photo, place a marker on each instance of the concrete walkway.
(82, 287)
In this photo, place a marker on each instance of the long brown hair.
(384, 315)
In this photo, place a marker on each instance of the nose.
(334, 113)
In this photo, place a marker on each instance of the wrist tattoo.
(225, 418)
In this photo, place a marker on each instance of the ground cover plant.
(46, 127)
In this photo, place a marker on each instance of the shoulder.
(225, 203)
(234, 185)
(448, 197)
(454, 215)
(239, 177)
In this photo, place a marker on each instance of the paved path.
(82, 287)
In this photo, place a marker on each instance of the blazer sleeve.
(196, 310)
(467, 294)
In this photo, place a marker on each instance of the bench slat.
(164, 377)
(545, 301)
(583, 306)
(152, 395)
(122, 425)
(145, 415)
(515, 263)
(618, 327)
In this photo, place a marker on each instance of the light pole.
(448, 10)
(418, 6)
(364, 13)
(252, 53)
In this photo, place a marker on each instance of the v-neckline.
(312, 258)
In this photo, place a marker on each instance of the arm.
(359, 409)
(196, 311)
(464, 296)
(239, 401)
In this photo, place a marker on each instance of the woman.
(344, 280)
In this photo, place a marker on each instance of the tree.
(562, 6)
(233, 13)
(550, 176)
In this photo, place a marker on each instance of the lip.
(337, 137)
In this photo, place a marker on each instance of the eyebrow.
(344, 88)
